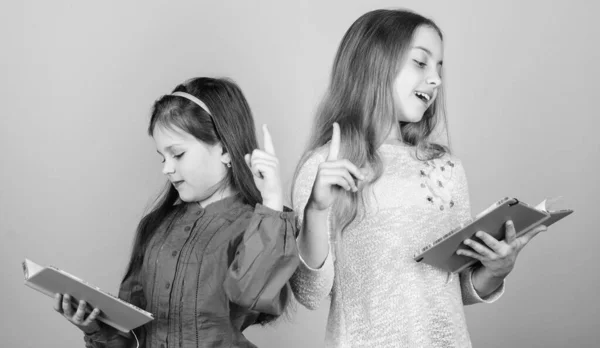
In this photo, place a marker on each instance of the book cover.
(441, 253)
(115, 312)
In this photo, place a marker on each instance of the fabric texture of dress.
(381, 297)
(208, 274)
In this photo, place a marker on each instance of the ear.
(225, 158)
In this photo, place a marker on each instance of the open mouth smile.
(425, 97)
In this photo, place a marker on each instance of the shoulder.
(456, 168)
(452, 160)
(447, 159)
(446, 168)
(453, 164)
(247, 211)
(242, 211)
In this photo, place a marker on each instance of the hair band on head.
(193, 99)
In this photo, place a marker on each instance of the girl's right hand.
(89, 325)
(333, 175)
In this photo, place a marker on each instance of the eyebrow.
(168, 148)
(428, 52)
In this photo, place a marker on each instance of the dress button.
(174, 253)
(168, 285)
(187, 228)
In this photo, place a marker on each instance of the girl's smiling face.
(417, 83)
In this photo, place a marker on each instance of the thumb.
(524, 239)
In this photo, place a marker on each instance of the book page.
(549, 205)
(542, 206)
(30, 268)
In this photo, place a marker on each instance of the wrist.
(493, 274)
(92, 332)
(313, 208)
(310, 211)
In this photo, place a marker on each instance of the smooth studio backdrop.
(78, 170)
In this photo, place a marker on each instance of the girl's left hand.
(498, 257)
(265, 169)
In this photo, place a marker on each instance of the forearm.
(313, 280)
(313, 241)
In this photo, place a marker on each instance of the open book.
(442, 252)
(115, 312)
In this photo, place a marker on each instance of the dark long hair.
(360, 98)
(231, 125)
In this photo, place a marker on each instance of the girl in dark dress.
(215, 254)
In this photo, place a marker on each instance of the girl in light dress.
(373, 188)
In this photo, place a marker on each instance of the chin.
(411, 118)
(412, 114)
(185, 198)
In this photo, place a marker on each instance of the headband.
(193, 99)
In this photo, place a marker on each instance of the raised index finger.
(334, 145)
(268, 141)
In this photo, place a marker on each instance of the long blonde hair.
(360, 98)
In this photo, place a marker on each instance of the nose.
(434, 79)
(168, 168)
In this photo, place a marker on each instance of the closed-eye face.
(193, 167)
(417, 83)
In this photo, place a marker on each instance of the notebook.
(442, 252)
(115, 312)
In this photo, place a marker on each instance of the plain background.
(78, 170)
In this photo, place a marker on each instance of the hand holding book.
(462, 246)
(75, 298)
(85, 322)
(499, 256)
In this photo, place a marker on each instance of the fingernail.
(509, 223)
(466, 241)
(479, 234)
